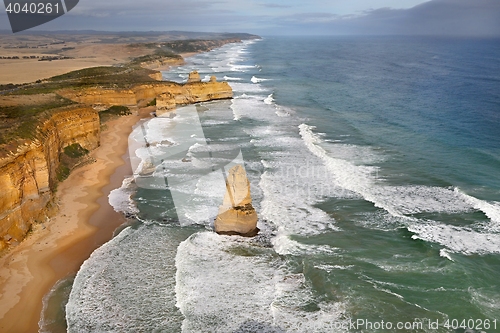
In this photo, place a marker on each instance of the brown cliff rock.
(28, 171)
(162, 64)
(28, 174)
(237, 215)
(158, 76)
(165, 103)
(194, 76)
(91, 96)
(189, 93)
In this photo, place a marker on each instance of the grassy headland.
(23, 106)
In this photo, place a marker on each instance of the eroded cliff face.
(170, 94)
(164, 63)
(29, 174)
(91, 96)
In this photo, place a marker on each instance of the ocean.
(374, 167)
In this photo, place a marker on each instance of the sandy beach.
(58, 247)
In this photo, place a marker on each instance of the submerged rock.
(237, 215)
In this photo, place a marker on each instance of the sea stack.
(194, 76)
(237, 215)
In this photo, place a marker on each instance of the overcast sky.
(292, 17)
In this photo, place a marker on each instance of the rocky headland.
(31, 166)
(76, 126)
(167, 94)
(29, 174)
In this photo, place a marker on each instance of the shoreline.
(57, 248)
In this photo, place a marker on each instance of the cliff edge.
(30, 168)
(29, 175)
(168, 94)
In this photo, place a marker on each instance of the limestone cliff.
(95, 95)
(170, 93)
(163, 63)
(237, 215)
(194, 76)
(29, 174)
(158, 76)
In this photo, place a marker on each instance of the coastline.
(55, 249)
(85, 220)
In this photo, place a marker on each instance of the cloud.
(440, 17)
(306, 18)
(436, 17)
(317, 17)
(274, 5)
(151, 7)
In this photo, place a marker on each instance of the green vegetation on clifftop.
(71, 157)
(112, 112)
(20, 121)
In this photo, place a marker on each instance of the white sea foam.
(490, 209)
(282, 113)
(250, 107)
(356, 154)
(241, 68)
(284, 245)
(293, 212)
(269, 100)
(456, 239)
(255, 79)
(330, 268)
(236, 112)
(397, 200)
(487, 299)
(247, 289)
(121, 198)
(157, 130)
(401, 201)
(127, 285)
(184, 165)
(247, 96)
(216, 122)
(292, 183)
(230, 78)
(413, 265)
(247, 87)
(354, 178)
(445, 254)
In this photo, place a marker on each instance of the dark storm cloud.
(442, 17)
(437, 17)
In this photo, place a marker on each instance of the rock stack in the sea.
(237, 215)
(194, 76)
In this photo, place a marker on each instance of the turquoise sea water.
(373, 165)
